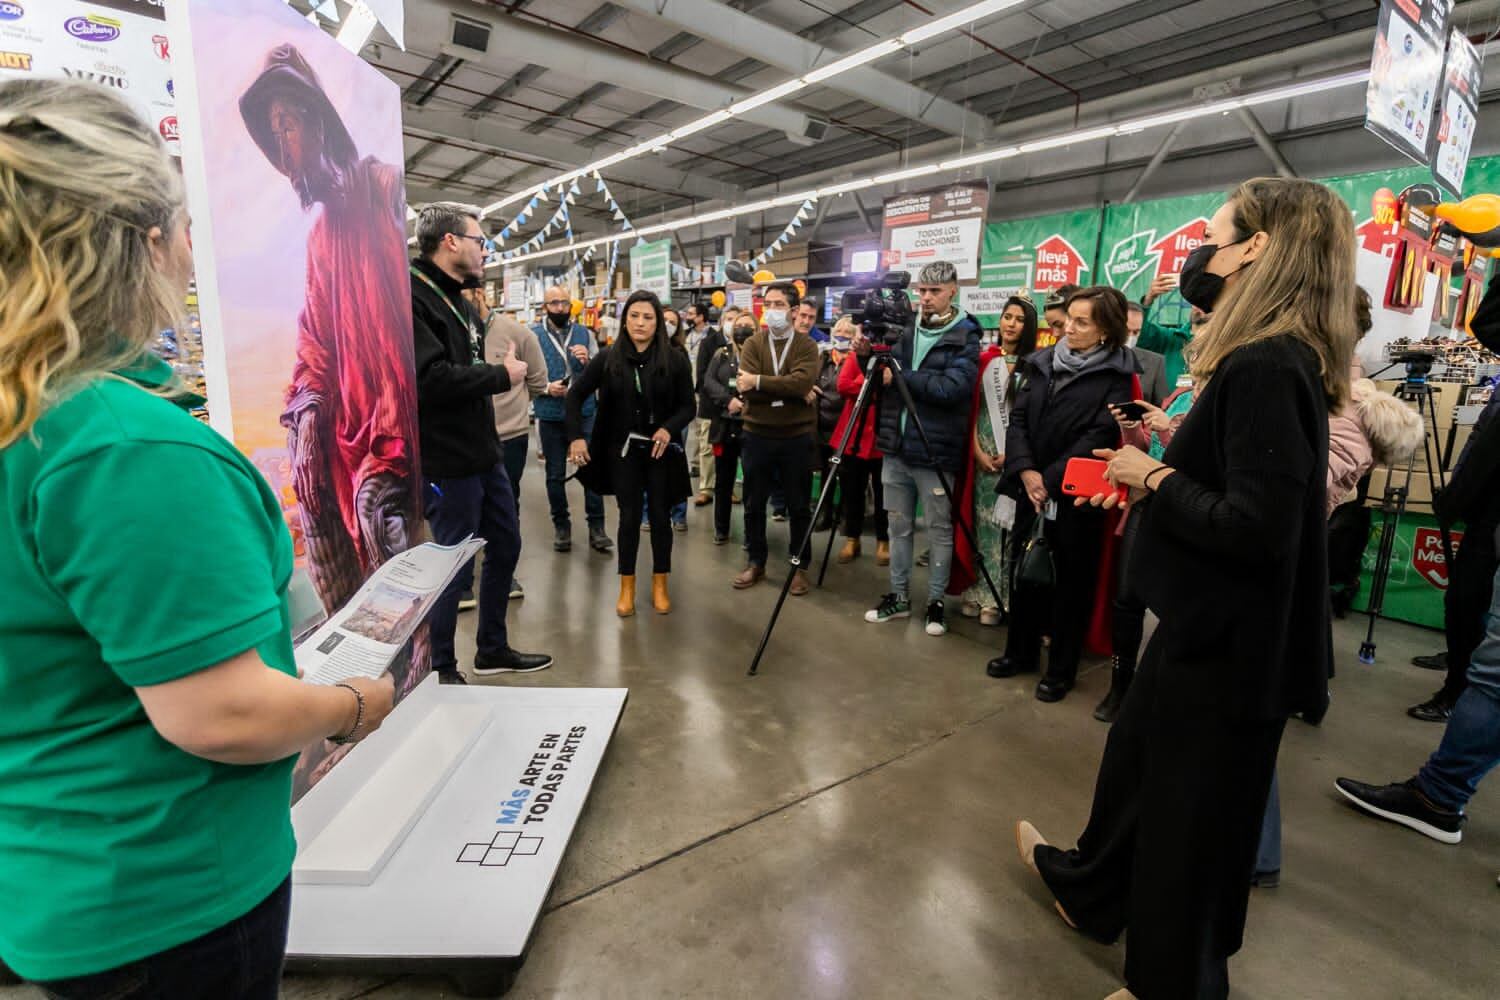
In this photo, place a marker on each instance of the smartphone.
(1131, 411)
(1084, 477)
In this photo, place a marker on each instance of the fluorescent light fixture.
(770, 96)
(853, 61)
(966, 15)
(1128, 127)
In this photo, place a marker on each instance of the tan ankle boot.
(882, 553)
(659, 599)
(850, 551)
(625, 606)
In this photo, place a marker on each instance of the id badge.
(1049, 510)
(1004, 512)
(779, 402)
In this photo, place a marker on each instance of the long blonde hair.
(82, 182)
(1301, 285)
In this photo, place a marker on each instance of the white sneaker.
(936, 623)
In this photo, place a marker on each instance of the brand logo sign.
(92, 28)
(114, 80)
(163, 47)
(16, 61)
(1427, 555)
(170, 91)
(497, 852)
(168, 128)
(11, 10)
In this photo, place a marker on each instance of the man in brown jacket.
(778, 368)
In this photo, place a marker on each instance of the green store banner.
(1419, 573)
(1143, 240)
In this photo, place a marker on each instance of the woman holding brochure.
(646, 401)
(153, 709)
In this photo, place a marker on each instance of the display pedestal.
(431, 848)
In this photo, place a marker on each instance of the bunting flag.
(541, 193)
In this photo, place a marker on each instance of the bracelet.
(1147, 481)
(359, 717)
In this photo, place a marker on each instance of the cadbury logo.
(92, 28)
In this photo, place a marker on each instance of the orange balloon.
(718, 299)
(801, 287)
(1383, 206)
(577, 307)
(1473, 216)
(764, 276)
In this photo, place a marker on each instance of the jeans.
(1268, 855)
(482, 505)
(789, 462)
(514, 452)
(1471, 742)
(707, 473)
(239, 961)
(554, 438)
(726, 467)
(902, 483)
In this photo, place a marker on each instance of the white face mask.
(776, 319)
(671, 329)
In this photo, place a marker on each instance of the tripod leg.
(824, 495)
(857, 423)
(958, 518)
(1437, 480)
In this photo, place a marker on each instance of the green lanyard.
(465, 320)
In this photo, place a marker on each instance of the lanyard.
(561, 345)
(776, 362)
(465, 320)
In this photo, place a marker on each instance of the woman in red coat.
(861, 466)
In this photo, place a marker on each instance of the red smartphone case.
(1084, 477)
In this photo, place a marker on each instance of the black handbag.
(1036, 568)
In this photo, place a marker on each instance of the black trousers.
(1077, 540)
(783, 461)
(1171, 840)
(1466, 606)
(857, 474)
(642, 481)
(726, 467)
(1128, 618)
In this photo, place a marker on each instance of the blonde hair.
(1301, 285)
(846, 324)
(82, 182)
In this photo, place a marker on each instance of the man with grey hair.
(939, 360)
(468, 491)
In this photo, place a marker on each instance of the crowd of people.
(1226, 444)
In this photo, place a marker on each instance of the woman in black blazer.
(1232, 557)
(1062, 412)
(646, 401)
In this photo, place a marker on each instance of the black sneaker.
(467, 601)
(1005, 666)
(720, 539)
(891, 607)
(778, 515)
(562, 540)
(450, 677)
(1403, 803)
(516, 591)
(1435, 709)
(1437, 661)
(935, 623)
(511, 662)
(599, 541)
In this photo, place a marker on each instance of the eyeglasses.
(558, 302)
(483, 241)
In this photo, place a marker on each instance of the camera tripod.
(880, 361)
(1393, 502)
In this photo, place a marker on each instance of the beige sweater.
(512, 408)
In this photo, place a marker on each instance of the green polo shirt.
(137, 546)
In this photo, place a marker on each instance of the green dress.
(994, 540)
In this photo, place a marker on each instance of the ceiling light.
(948, 22)
(776, 93)
(853, 60)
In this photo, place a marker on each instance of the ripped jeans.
(903, 483)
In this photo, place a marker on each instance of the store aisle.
(841, 825)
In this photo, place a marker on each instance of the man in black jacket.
(939, 360)
(703, 342)
(468, 492)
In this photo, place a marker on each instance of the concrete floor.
(841, 825)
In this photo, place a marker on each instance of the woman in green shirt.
(152, 708)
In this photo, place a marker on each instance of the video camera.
(882, 310)
(1418, 365)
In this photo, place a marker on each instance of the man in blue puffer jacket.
(939, 358)
(567, 347)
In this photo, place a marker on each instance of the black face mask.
(558, 318)
(1198, 285)
(740, 336)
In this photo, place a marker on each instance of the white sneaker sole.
(487, 671)
(1426, 829)
(875, 619)
(936, 630)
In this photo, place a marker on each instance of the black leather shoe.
(1050, 691)
(1437, 661)
(562, 540)
(1109, 708)
(1435, 709)
(511, 662)
(450, 677)
(598, 540)
(1004, 666)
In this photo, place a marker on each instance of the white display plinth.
(401, 871)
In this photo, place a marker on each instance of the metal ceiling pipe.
(1266, 143)
(512, 38)
(1154, 164)
(786, 50)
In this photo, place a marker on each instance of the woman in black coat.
(1232, 557)
(722, 394)
(1062, 412)
(646, 400)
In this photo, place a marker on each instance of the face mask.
(776, 319)
(1198, 285)
(557, 318)
(671, 329)
(743, 334)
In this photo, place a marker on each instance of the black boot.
(1120, 675)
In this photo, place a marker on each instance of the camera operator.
(939, 359)
(777, 369)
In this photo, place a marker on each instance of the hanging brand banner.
(1459, 115)
(1406, 70)
(943, 224)
(118, 44)
(651, 268)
